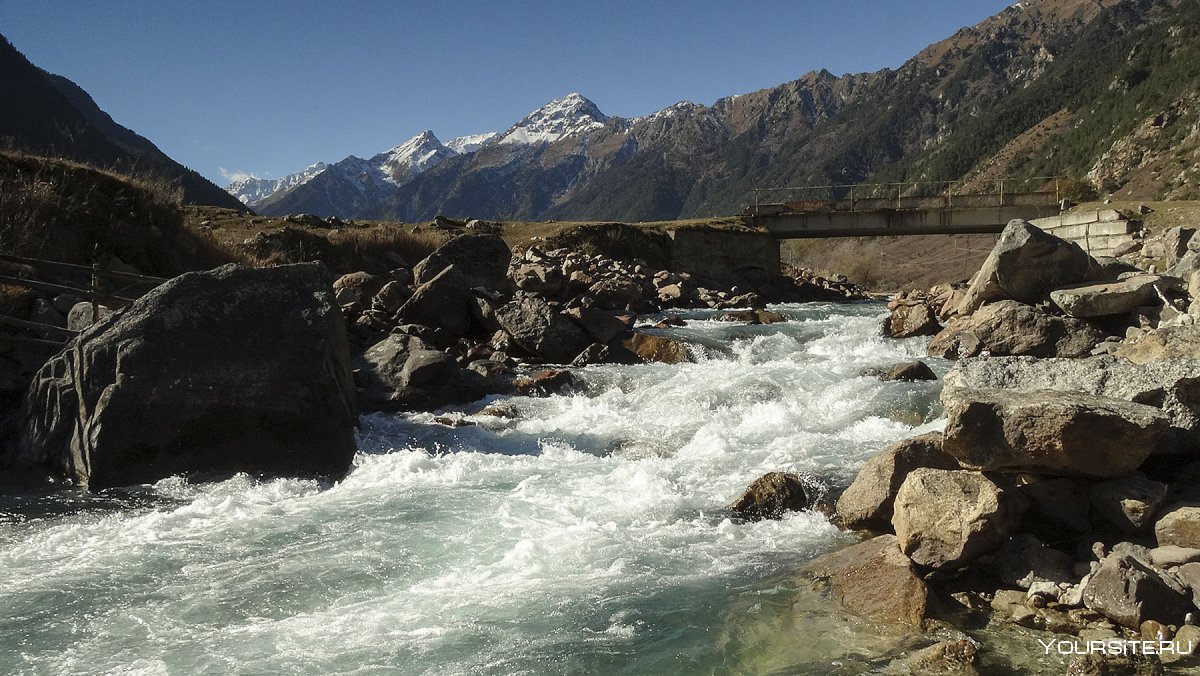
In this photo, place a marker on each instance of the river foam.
(582, 532)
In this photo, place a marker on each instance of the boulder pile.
(1042, 296)
(490, 311)
(1062, 493)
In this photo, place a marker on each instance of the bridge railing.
(1032, 191)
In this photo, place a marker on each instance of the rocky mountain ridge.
(47, 114)
(1095, 89)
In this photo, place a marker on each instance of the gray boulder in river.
(212, 373)
(1025, 265)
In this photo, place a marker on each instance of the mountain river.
(578, 533)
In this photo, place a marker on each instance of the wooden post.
(95, 291)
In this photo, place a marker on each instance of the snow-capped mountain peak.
(470, 143)
(252, 190)
(412, 157)
(563, 117)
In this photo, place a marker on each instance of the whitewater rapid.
(577, 533)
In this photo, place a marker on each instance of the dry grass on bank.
(385, 240)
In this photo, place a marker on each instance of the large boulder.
(231, 370)
(404, 373)
(482, 260)
(1172, 385)
(356, 287)
(910, 318)
(1112, 298)
(908, 372)
(1049, 432)
(1179, 525)
(946, 518)
(770, 495)
(602, 326)
(867, 503)
(1025, 265)
(1129, 592)
(1008, 327)
(444, 302)
(541, 330)
(655, 348)
(616, 294)
(875, 580)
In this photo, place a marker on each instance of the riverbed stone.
(1171, 385)
(542, 330)
(1179, 525)
(601, 325)
(1111, 298)
(1024, 560)
(1007, 327)
(616, 294)
(1047, 431)
(1185, 648)
(770, 495)
(356, 287)
(656, 348)
(1025, 265)
(543, 383)
(1130, 592)
(948, 658)
(444, 302)
(1056, 504)
(911, 318)
(867, 503)
(875, 580)
(542, 278)
(1169, 556)
(945, 518)
(231, 370)
(1129, 502)
(482, 260)
(1163, 343)
(908, 371)
(404, 372)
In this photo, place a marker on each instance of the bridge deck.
(937, 215)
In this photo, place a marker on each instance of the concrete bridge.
(947, 213)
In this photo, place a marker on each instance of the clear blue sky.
(267, 88)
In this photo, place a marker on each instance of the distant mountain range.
(47, 114)
(1098, 89)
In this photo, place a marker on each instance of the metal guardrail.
(904, 195)
(52, 335)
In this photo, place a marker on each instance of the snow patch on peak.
(562, 117)
(673, 110)
(470, 143)
(416, 155)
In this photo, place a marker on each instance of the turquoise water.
(579, 533)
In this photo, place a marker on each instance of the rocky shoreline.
(1062, 495)
(1059, 497)
(254, 370)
